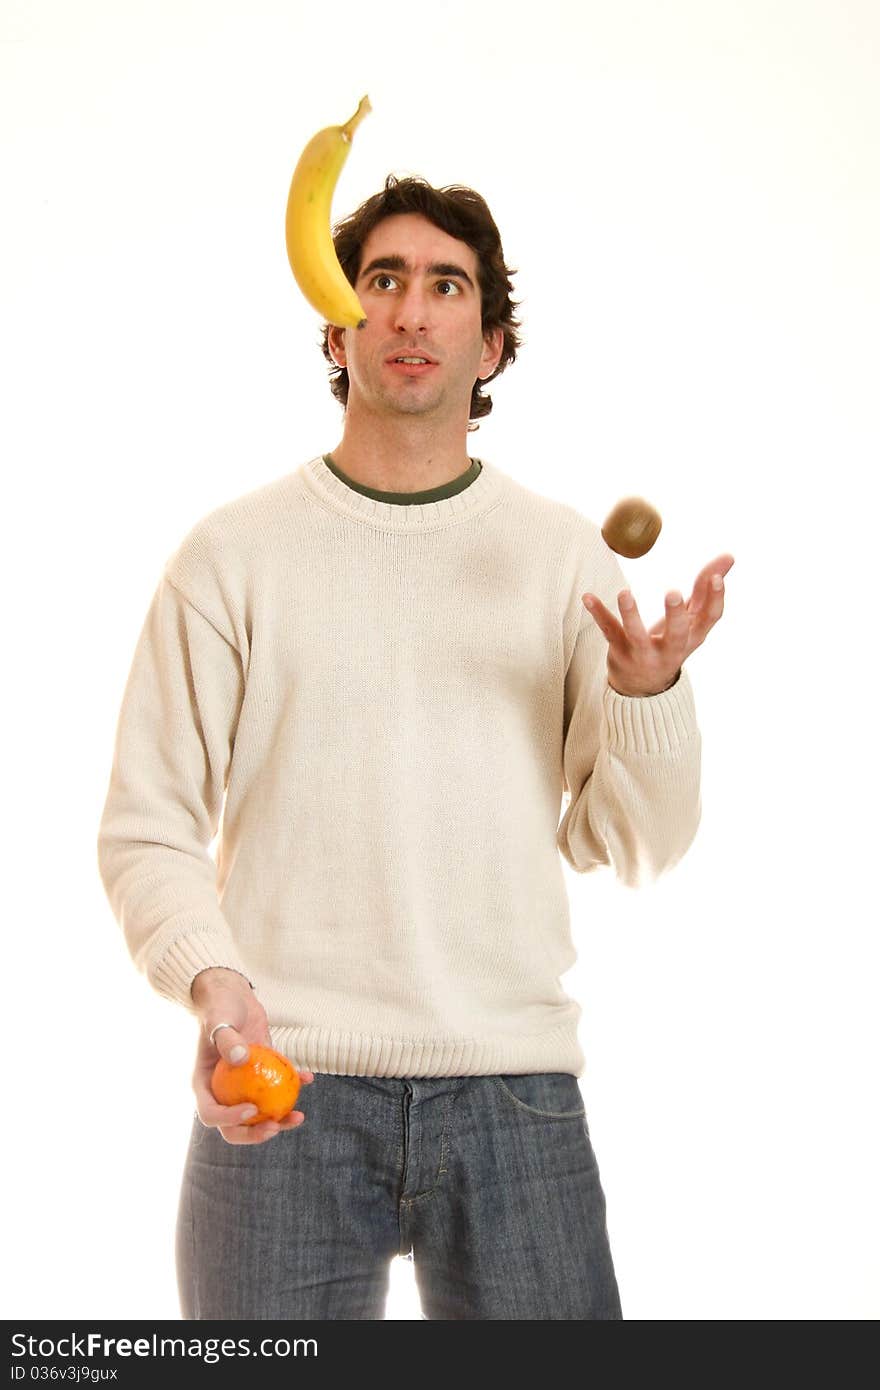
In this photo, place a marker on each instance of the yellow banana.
(310, 248)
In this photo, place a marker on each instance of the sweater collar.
(473, 498)
(409, 499)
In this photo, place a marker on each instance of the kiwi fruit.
(631, 527)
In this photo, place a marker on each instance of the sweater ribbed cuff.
(173, 973)
(659, 723)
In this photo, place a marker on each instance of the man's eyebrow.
(399, 263)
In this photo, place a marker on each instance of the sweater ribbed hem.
(651, 723)
(173, 973)
(486, 491)
(355, 1054)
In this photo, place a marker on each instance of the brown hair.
(462, 213)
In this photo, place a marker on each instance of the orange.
(267, 1079)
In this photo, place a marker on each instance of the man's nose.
(413, 308)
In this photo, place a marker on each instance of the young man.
(385, 664)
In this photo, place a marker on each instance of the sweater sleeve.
(631, 764)
(173, 748)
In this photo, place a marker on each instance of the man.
(385, 663)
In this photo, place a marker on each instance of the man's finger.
(607, 624)
(266, 1129)
(722, 565)
(213, 1115)
(678, 619)
(228, 1041)
(249, 1134)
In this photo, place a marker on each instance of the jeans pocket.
(198, 1131)
(551, 1095)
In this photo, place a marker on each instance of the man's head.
(462, 318)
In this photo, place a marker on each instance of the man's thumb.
(228, 1042)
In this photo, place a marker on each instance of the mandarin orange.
(266, 1079)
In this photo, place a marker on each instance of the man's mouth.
(411, 366)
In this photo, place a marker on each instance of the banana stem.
(351, 125)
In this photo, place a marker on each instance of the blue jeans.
(488, 1183)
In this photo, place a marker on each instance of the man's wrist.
(671, 683)
(646, 694)
(214, 974)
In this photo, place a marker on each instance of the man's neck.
(405, 465)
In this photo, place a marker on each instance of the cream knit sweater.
(395, 698)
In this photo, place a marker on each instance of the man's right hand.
(224, 996)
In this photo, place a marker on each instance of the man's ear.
(336, 344)
(493, 345)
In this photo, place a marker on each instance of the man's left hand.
(647, 663)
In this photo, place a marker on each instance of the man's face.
(430, 306)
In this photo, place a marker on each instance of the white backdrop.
(689, 193)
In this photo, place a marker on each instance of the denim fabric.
(488, 1183)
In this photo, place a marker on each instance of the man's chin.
(412, 405)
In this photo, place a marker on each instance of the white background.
(689, 194)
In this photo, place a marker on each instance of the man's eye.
(382, 276)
